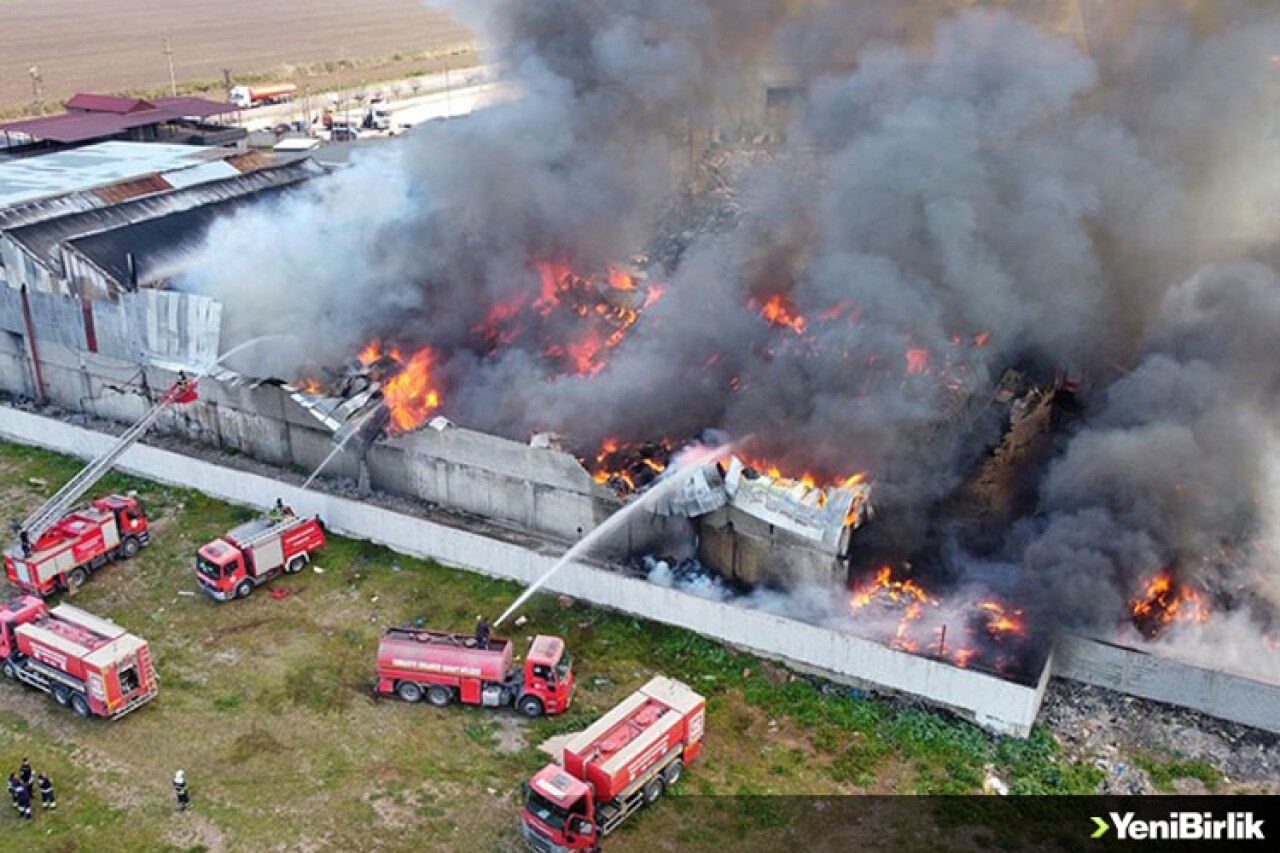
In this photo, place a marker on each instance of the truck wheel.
(10, 669)
(530, 706)
(130, 547)
(76, 579)
(62, 695)
(80, 705)
(296, 565)
(439, 696)
(243, 590)
(652, 791)
(408, 691)
(672, 774)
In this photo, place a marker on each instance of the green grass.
(267, 705)
(1165, 771)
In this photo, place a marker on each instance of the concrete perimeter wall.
(1213, 692)
(990, 702)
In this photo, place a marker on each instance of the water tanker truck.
(610, 771)
(442, 667)
(87, 664)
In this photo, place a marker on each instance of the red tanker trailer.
(413, 663)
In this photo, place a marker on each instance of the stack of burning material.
(799, 506)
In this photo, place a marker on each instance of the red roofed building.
(97, 118)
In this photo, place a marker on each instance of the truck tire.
(652, 790)
(530, 706)
(62, 694)
(80, 705)
(75, 579)
(130, 547)
(244, 589)
(296, 565)
(10, 669)
(439, 696)
(409, 692)
(672, 774)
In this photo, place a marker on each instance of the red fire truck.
(88, 664)
(57, 548)
(622, 762)
(255, 552)
(110, 528)
(413, 663)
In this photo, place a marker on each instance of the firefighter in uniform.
(14, 785)
(23, 800)
(26, 776)
(180, 788)
(482, 632)
(47, 798)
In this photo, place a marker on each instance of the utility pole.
(448, 91)
(168, 54)
(37, 89)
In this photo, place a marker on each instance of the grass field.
(90, 45)
(266, 705)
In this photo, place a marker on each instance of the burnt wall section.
(1139, 673)
(753, 552)
(995, 704)
(537, 490)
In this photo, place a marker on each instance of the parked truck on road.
(442, 667)
(87, 664)
(245, 97)
(255, 552)
(621, 763)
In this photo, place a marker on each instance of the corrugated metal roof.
(85, 124)
(205, 172)
(107, 104)
(146, 185)
(159, 244)
(44, 238)
(62, 172)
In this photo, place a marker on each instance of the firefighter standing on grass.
(26, 776)
(180, 788)
(23, 800)
(46, 791)
(14, 785)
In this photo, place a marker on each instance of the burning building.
(990, 331)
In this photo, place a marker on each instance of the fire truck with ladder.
(59, 547)
(257, 551)
(87, 664)
(610, 771)
(442, 667)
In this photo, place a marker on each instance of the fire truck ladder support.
(56, 507)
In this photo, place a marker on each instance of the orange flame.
(1164, 601)
(1000, 622)
(917, 361)
(778, 312)
(410, 396)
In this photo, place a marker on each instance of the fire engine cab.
(442, 667)
(110, 528)
(253, 553)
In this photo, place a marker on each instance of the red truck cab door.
(581, 832)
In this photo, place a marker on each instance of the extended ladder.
(52, 511)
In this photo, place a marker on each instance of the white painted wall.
(995, 704)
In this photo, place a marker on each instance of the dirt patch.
(510, 734)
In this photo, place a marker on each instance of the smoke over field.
(970, 195)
